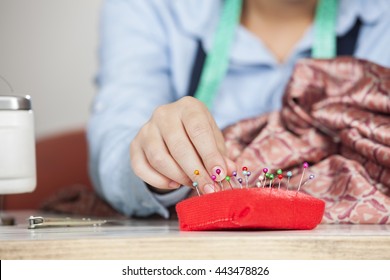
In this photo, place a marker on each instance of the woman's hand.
(180, 138)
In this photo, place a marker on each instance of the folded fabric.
(336, 116)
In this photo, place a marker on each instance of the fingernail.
(220, 173)
(173, 185)
(208, 188)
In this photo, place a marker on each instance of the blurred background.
(48, 50)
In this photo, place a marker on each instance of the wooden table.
(160, 239)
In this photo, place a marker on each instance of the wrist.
(157, 190)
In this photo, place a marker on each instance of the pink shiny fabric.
(336, 116)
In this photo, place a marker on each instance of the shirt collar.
(369, 12)
(203, 26)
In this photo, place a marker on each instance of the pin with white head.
(265, 171)
(246, 174)
(195, 185)
(279, 173)
(260, 179)
(308, 180)
(289, 175)
(305, 166)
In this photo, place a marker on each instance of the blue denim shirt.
(147, 50)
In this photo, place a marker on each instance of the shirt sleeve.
(133, 80)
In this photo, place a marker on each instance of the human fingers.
(167, 119)
(231, 166)
(159, 158)
(184, 153)
(200, 132)
(219, 139)
(146, 172)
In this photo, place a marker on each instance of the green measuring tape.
(217, 60)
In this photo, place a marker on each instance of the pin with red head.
(279, 173)
(218, 171)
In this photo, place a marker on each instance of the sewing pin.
(289, 175)
(240, 181)
(218, 171)
(244, 173)
(280, 176)
(305, 166)
(214, 178)
(311, 177)
(267, 176)
(195, 185)
(260, 179)
(234, 178)
(265, 171)
(248, 173)
(271, 178)
(227, 178)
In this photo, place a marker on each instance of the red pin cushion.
(252, 208)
